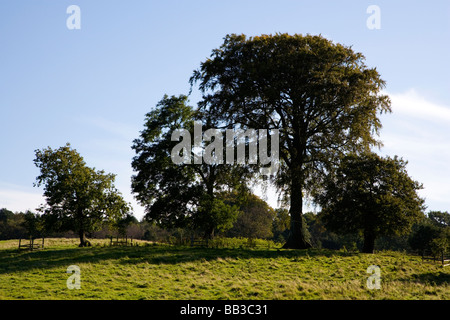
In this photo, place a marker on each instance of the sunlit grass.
(157, 272)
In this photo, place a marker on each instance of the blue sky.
(92, 87)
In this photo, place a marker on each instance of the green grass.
(161, 272)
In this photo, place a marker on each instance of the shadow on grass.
(432, 278)
(17, 261)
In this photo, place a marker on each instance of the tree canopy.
(441, 219)
(255, 219)
(320, 95)
(181, 194)
(78, 197)
(370, 194)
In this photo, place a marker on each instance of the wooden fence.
(199, 242)
(440, 257)
(122, 241)
(29, 244)
(230, 243)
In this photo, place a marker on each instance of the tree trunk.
(83, 241)
(369, 242)
(296, 239)
(209, 233)
(81, 229)
(210, 227)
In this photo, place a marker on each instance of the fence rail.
(31, 245)
(247, 243)
(436, 257)
(122, 241)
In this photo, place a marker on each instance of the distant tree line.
(13, 225)
(430, 234)
(257, 220)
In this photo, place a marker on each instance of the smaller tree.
(439, 246)
(33, 224)
(432, 233)
(122, 224)
(255, 217)
(78, 198)
(439, 218)
(422, 234)
(372, 195)
(215, 214)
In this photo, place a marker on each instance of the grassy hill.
(161, 272)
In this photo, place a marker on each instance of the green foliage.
(372, 195)
(439, 218)
(122, 224)
(216, 214)
(422, 234)
(180, 195)
(33, 224)
(439, 246)
(12, 225)
(432, 234)
(255, 217)
(78, 198)
(242, 243)
(163, 188)
(5, 215)
(320, 95)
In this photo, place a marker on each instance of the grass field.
(164, 272)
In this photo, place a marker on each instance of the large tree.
(182, 194)
(371, 195)
(78, 197)
(320, 95)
